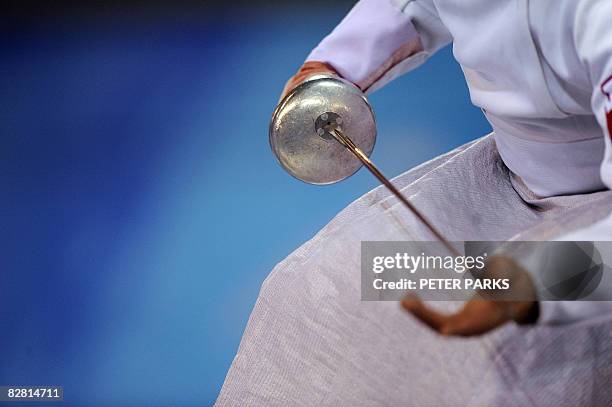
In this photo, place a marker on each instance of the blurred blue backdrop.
(140, 206)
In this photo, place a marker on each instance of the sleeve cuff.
(373, 38)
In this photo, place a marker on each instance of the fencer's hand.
(307, 70)
(485, 311)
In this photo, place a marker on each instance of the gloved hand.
(485, 311)
(307, 70)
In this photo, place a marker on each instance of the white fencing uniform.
(541, 71)
(538, 69)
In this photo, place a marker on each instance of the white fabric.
(373, 35)
(537, 68)
(572, 167)
(311, 341)
(542, 72)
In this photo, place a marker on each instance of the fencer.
(541, 71)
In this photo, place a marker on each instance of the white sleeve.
(592, 35)
(380, 40)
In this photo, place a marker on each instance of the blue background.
(140, 206)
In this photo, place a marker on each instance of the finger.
(475, 318)
(307, 70)
(425, 314)
(294, 82)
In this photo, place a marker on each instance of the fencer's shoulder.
(591, 24)
(569, 20)
(587, 6)
(589, 11)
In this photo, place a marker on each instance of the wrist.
(527, 313)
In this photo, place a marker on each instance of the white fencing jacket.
(541, 71)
